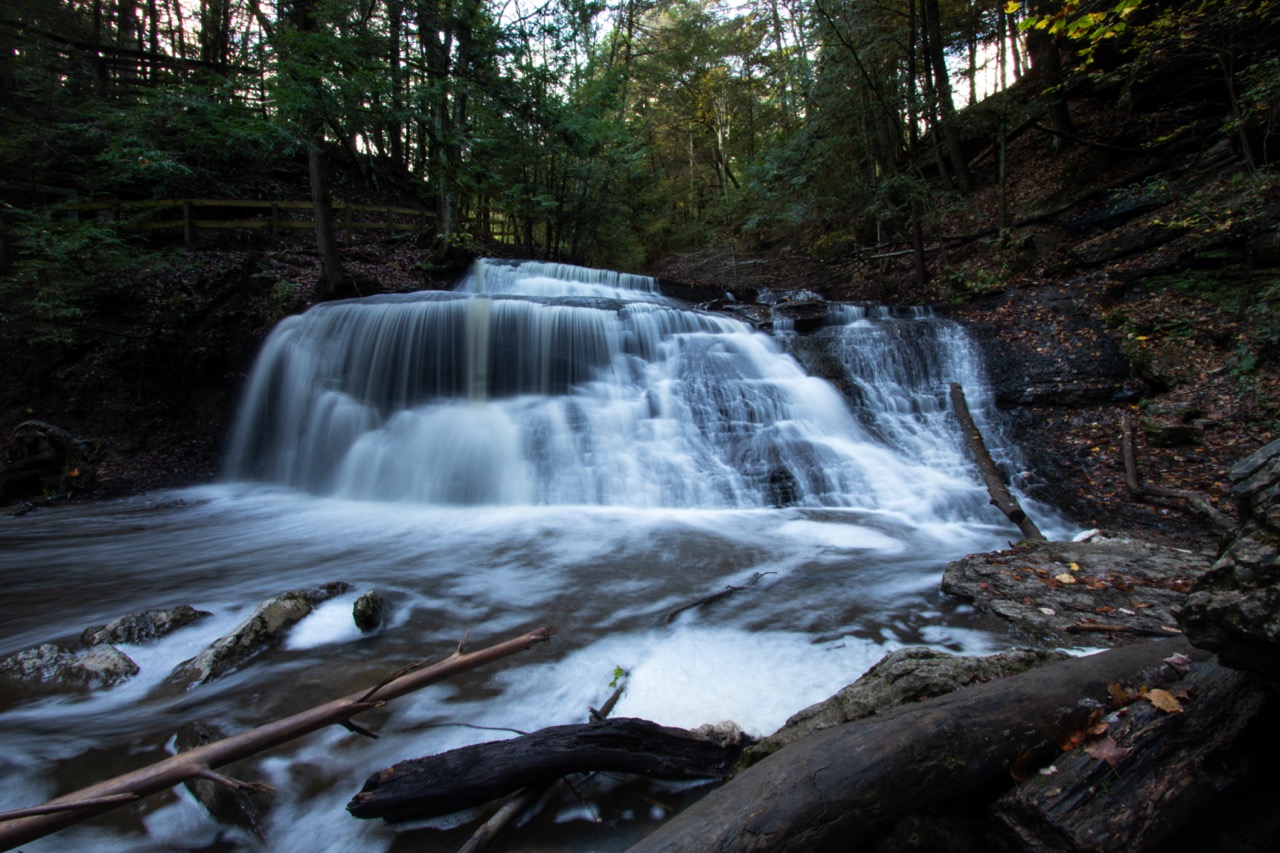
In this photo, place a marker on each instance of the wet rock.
(758, 316)
(266, 626)
(784, 491)
(1162, 433)
(1234, 610)
(1174, 411)
(801, 317)
(98, 666)
(240, 807)
(902, 676)
(1096, 593)
(144, 627)
(368, 611)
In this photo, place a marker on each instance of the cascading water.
(552, 385)
(547, 445)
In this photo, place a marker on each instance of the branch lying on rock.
(196, 763)
(1000, 494)
(838, 787)
(473, 775)
(1197, 502)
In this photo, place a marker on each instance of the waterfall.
(547, 384)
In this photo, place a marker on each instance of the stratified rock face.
(99, 666)
(1234, 610)
(264, 628)
(138, 628)
(1101, 592)
(904, 675)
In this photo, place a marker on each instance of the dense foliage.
(596, 131)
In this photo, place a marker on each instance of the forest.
(693, 474)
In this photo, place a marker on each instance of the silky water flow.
(546, 445)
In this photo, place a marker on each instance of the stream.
(547, 445)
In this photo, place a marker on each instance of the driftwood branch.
(472, 775)
(837, 788)
(197, 762)
(714, 597)
(1001, 497)
(1197, 502)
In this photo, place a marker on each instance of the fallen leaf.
(1064, 578)
(1164, 700)
(1119, 696)
(1106, 749)
(1075, 567)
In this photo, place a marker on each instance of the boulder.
(266, 626)
(368, 612)
(1164, 433)
(244, 806)
(144, 627)
(905, 675)
(1234, 610)
(98, 666)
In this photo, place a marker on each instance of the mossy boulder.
(143, 627)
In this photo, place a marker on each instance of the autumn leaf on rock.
(1164, 700)
(1119, 696)
(1106, 749)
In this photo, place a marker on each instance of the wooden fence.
(199, 214)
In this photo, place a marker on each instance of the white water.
(507, 460)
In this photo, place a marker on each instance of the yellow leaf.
(1010, 8)
(1075, 567)
(1119, 696)
(1064, 578)
(1142, 337)
(1164, 700)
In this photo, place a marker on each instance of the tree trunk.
(837, 788)
(331, 271)
(946, 106)
(1047, 62)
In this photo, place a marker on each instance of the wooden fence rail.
(390, 218)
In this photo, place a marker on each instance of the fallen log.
(1197, 502)
(840, 786)
(199, 762)
(1001, 497)
(1135, 786)
(472, 775)
(517, 805)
